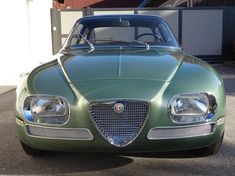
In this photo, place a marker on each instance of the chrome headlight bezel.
(26, 110)
(207, 116)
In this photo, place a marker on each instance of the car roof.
(119, 15)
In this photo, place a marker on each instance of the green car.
(121, 83)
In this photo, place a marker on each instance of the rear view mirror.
(121, 23)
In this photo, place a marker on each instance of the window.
(121, 31)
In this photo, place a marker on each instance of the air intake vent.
(119, 122)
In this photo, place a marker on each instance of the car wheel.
(211, 150)
(31, 151)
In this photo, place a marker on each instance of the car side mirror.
(61, 1)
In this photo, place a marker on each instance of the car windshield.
(123, 30)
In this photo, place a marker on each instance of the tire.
(211, 150)
(31, 151)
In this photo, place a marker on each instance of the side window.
(158, 33)
(75, 37)
(165, 35)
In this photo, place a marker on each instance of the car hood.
(121, 73)
(153, 64)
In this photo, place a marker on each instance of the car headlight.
(189, 108)
(46, 109)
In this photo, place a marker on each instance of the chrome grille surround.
(119, 129)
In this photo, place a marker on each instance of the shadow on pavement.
(61, 162)
(56, 162)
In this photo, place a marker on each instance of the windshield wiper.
(112, 41)
(126, 42)
(92, 48)
(88, 42)
(140, 42)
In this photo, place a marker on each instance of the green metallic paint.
(153, 64)
(153, 75)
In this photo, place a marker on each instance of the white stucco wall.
(25, 35)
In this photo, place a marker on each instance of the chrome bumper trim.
(177, 132)
(45, 132)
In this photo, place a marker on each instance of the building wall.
(25, 35)
(78, 4)
(199, 3)
(117, 3)
(155, 3)
(213, 2)
(229, 33)
(74, 4)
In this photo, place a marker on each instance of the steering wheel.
(151, 34)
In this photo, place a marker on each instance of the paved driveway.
(14, 161)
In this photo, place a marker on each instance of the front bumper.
(80, 139)
(44, 132)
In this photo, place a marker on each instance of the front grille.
(119, 128)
